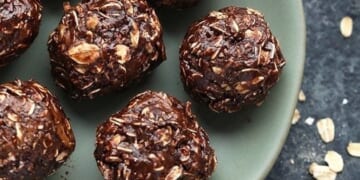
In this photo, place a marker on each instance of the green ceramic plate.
(246, 143)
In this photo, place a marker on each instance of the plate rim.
(294, 102)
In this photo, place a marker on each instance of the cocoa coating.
(104, 45)
(154, 137)
(19, 25)
(230, 59)
(35, 135)
(174, 3)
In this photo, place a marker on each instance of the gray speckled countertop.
(332, 74)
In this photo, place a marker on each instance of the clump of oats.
(237, 89)
(140, 128)
(335, 164)
(92, 54)
(321, 172)
(335, 161)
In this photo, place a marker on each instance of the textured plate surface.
(246, 143)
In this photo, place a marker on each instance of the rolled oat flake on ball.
(35, 135)
(230, 59)
(101, 46)
(19, 25)
(154, 137)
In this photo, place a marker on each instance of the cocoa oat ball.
(173, 3)
(230, 59)
(105, 45)
(35, 135)
(154, 137)
(19, 25)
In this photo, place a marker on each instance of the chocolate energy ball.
(35, 135)
(230, 59)
(154, 137)
(19, 25)
(105, 45)
(174, 3)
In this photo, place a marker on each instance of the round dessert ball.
(102, 46)
(154, 137)
(174, 3)
(35, 135)
(230, 59)
(19, 25)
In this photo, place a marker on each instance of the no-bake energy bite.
(35, 135)
(154, 137)
(230, 59)
(173, 3)
(105, 45)
(19, 25)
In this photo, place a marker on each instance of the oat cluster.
(102, 46)
(230, 59)
(154, 137)
(19, 25)
(35, 135)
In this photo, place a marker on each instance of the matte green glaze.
(246, 143)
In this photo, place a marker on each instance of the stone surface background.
(332, 74)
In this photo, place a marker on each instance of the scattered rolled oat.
(346, 26)
(320, 172)
(296, 117)
(334, 161)
(354, 149)
(302, 97)
(309, 121)
(326, 129)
